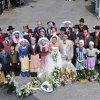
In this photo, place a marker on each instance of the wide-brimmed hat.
(51, 22)
(42, 29)
(0, 29)
(76, 26)
(81, 20)
(10, 28)
(43, 38)
(30, 31)
(18, 32)
(63, 29)
(65, 22)
(23, 40)
(97, 27)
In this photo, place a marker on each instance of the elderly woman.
(91, 56)
(80, 56)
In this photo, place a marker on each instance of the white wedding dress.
(50, 63)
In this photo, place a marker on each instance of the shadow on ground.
(91, 7)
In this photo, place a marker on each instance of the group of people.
(24, 53)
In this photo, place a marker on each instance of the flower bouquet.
(81, 76)
(56, 77)
(25, 90)
(10, 84)
(47, 87)
(36, 83)
(54, 55)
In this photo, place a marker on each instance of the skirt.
(2, 77)
(91, 63)
(25, 64)
(34, 63)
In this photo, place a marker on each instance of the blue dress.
(24, 53)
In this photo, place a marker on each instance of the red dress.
(44, 53)
(7, 45)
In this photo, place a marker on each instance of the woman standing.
(54, 57)
(24, 57)
(34, 57)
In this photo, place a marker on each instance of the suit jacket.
(68, 54)
(74, 36)
(95, 41)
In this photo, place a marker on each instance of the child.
(14, 60)
(35, 57)
(91, 56)
(24, 57)
(43, 43)
(80, 56)
(5, 62)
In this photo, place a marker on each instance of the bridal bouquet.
(54, 55)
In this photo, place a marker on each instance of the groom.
(66, 48)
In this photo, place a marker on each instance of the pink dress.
(7, 45)
(44, 53)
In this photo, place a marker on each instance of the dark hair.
(54, 28)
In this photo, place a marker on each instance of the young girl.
(34, 57)
(91, 56)
(43, 43)
(24, 57)
(80, 56)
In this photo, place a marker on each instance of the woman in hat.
(7, 43)
(16, 39)
(80, 56)
(24, 57)
(54, 57)
(10, 31)
(43, 43)
(91, 56)
(34, 57)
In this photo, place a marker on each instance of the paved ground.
(45, 10)
(58, 11)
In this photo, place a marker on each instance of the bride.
(54, 57)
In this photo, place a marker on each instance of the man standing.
(66, 48)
